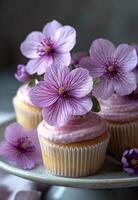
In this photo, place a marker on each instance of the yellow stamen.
(61, 90)
(24, 146)
(47, 49)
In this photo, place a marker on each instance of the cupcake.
(114, 72)
(121, 115)
(27, 114)
(73, 140)
(77, 149)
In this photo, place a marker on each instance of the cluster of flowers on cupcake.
(64, 89)
(111, 68)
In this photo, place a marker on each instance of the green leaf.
(40, 77)
(96, 81)
(96, 105)
(32, 82)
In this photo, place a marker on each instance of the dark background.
(116, 20)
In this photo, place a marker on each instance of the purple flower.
(21, 74)
(130, 161)
(113, 68)
(51, 46)
(76, 57)
(63, 94)
(21, 147)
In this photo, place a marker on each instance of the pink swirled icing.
(119, 108)
(79, 129)
(23, 94)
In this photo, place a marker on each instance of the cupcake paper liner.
(27, 115)
(123, 136)
(73, 160)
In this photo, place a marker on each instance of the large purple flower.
(113, 68)
(130, 161)
(63, 94)
(21, 74)
(51, 46)
(21, 147)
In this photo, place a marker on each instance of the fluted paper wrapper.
(73, 161)
(123, 136)
(27, 115)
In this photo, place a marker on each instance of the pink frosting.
(79, 129)
(119, 108)
(23, 94)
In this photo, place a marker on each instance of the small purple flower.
(130, 161)
(113, 68)
(63, 94)
(21, 147)
(21, 74)
(51, 46)
(76, 57)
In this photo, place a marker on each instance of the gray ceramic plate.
(111, 175)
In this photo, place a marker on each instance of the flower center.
(48, 50)
(134, 162)
(110, 68)
(61, 90)
(46, 47)
(24, 145)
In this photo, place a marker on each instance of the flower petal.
(104, 89)
(101, 51)
(25, 162)
(55, 75)
(39, 65)
(125, 83)
(62, 59)
(76, 57)
(13, 132)
(8, 151)
(126, 57)
(61, 112)
(50, 28)
(78, 82)
(30, 44)
(43, 95)
(36, 155)
(80, 106)
(58, 114)
(124, 162)
(95, 71)
(66, 39)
